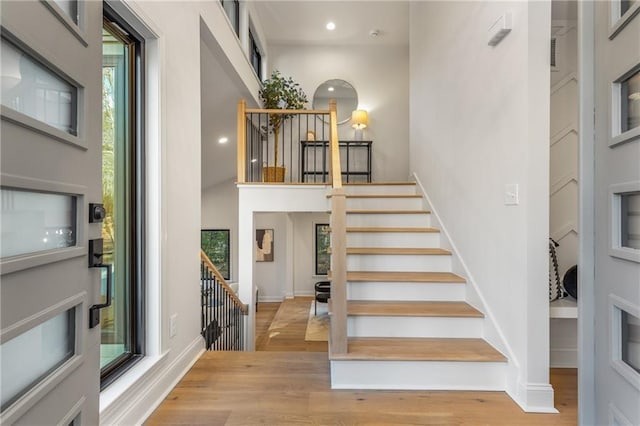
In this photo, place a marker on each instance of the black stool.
(323, 293)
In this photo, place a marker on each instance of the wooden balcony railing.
(271, 153)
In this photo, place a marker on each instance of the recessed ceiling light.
(223, 139)
(330, 88)
(331, 26)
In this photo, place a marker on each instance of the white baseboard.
(262, 298)
(535, 398)
(141, 397)
(563, 358)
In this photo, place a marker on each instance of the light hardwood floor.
(287, 383)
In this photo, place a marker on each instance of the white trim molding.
(131, 399)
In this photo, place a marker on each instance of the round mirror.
(345, 95)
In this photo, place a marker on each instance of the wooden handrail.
(335, 168)
(338, 241)
(211, 267)
(242, 141)
(287, 111)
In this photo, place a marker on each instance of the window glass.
(323, 244)
(630, 98)
(28, 358)
(122, 197)
(630, 220)
(215, 244)
(232, 9)
(34, 90)
(631, 340)
(35, 221)
(256, 57)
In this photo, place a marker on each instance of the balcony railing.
(269, 152)
(222, 313)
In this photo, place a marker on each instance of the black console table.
(355, 159)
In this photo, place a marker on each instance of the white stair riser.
(385, 203)
(399, 262)
(418, 375)
(393, 239)
(380, 189)
(440, 292)
(388, 326)
(389, 220)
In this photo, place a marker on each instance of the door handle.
(95, 261)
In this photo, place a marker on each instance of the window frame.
(255, 53)
(318, 229)
(235, 22)
(135, 267)
(228, 250)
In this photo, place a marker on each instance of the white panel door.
(617, 213)
(50, 171)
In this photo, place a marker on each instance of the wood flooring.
(272, 387)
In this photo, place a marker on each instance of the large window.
(256, 56)
(122, 195)
(232, 9)
(215, 243)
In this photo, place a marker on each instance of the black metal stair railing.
(223, 315)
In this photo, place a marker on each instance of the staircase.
(408, 324)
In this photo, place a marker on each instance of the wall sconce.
(360, 120)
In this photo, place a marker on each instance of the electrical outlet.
(511, 194)
(173, 325)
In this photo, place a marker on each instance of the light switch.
(511, 194)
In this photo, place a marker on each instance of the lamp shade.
(359, 119)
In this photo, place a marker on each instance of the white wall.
(174, 134)
(271, 277)
(304, 266)
(220, 211)
(292, 273)
(380, 75)
(479, 121)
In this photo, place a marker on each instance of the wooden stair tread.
(398, 251)
(392, 229)
(419, 349)
(438, 277)
(411, 309)
(371, 211)
(378, 183)
(379, 196)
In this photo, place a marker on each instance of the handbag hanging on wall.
(555, 286)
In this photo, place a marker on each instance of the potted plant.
(279, 92)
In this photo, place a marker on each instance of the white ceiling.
(303, 22)
(284, 22)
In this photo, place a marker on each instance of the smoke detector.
(374, 33)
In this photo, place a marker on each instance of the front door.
(617, 212)
(50, 173)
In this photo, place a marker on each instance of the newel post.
(338, 272)
(242, 141)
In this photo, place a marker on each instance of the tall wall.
(220, 211)
(380, 75)
(173, 135)
(292, 272)
(480, 121)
